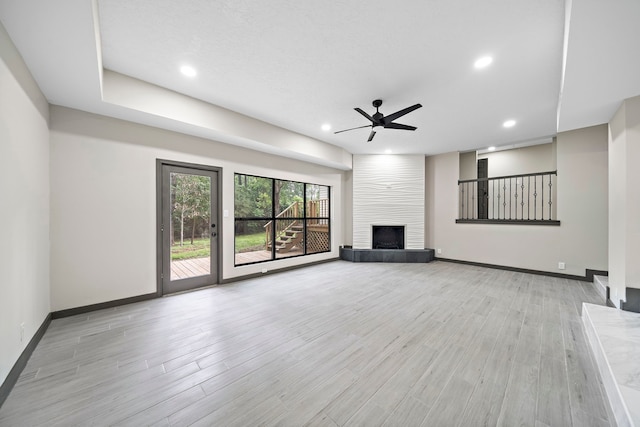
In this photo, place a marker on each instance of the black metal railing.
(526, 198)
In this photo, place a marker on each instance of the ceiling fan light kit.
(380, 120)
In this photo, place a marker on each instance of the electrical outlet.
(21, 331)
(561, 266)
(439, 251)
(264, 270)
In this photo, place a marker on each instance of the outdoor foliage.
(191, 200)
(255, 197)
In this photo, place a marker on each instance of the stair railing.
(513, 199)
(315, 209)
(292, 212)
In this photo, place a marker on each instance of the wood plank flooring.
(193, 267)
(335, 344)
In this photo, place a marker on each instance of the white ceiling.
(297, 65)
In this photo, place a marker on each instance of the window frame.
(273, 219)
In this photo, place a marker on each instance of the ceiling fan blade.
(371, 135)
(398, 114)
(399, 126)
(359, 110)
(359, 127)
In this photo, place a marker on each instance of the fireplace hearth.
(387, 237)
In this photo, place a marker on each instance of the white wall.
(24, 211)
(388, 190)
(580, 241)
(624, 199)
(103, 182)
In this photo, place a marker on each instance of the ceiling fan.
(378, 119)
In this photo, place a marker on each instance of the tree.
(190, 195)
(253, 199)
(201, 198)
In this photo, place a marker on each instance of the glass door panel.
(189, 230)
(190, 223)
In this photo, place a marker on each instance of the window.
(277, 219)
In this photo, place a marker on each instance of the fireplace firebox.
(387, 237)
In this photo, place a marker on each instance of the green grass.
(250, 242)
(200, 247)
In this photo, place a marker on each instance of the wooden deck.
(200, 266)
(190, 268)
(257, 256)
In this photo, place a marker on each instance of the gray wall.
(103, 177)
(581, 240)
(532, 159)
(24, 186)
(624, 199)
(515, 161)
(468, 165)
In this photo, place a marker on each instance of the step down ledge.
(614, 338)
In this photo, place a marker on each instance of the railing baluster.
(467, 199)
(504, 198)
(550, 196)
(473, 201)
(522, 200)
(542, 197)
(462, 213)
(528, 198)
(466, 213)
(515, 200)
(498, 198)
(469, 202)
(510, 207)
(495, 201)
(535, 197)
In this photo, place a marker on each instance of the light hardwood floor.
(341, 343)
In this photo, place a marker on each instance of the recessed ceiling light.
(188, 71)
(509, 123)
(491, 148)
(326, 127)
(483, 62)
